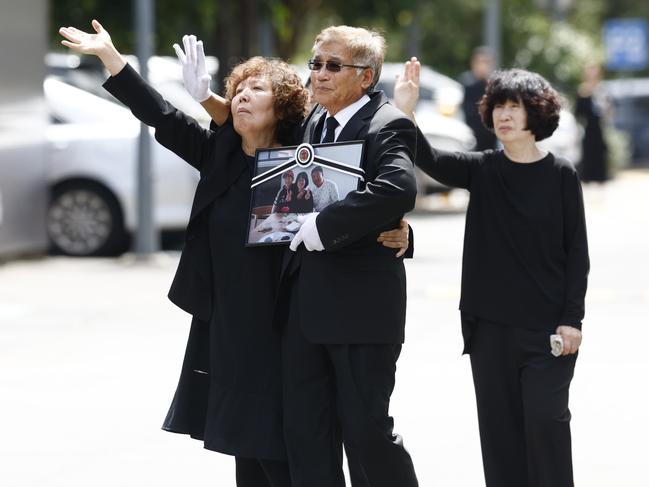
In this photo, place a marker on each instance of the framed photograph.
(293, 181)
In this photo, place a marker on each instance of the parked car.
(92, 163)
(23, 119)
(23, 188)
(566, 139)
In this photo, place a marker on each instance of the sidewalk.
(90, 352)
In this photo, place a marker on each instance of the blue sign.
(626, 42)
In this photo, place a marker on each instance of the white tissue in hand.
(556, 345)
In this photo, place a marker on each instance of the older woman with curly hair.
(524, 277)
(229, 393)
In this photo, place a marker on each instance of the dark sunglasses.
(331, 66)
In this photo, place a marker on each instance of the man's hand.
(406, 88)
(397, 238)
(571, 338)
(195, 76)
(307, 234)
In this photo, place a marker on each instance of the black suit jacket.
(355, 290)
(192, 286)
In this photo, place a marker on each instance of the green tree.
(442, 33)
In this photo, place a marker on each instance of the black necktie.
(331, 123)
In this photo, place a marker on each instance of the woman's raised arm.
(173, 129)
(449, 168)
(406, 88)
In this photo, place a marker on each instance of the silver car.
(92, 160)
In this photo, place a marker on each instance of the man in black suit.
(344, 297)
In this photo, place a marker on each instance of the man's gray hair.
(366, 47)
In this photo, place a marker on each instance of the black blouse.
(525, 259)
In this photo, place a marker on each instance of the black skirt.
(230, 390)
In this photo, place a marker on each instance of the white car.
(92, 162)
(566, 139)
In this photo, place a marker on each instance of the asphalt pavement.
(90, 352)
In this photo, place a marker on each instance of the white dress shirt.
(345, 115)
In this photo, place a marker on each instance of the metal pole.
(145, 235)
(414, 34)
(492, 29)
(266, 44)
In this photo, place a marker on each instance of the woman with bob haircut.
(524, 276)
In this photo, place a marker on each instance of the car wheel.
(84, 219)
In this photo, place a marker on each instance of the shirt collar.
(345, 115)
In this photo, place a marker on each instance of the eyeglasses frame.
(326, 64)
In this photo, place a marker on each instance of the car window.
(87, 80)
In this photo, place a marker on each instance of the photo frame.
(298, 180)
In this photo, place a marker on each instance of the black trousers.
(331, 390)
(522, 397)
(254, 472)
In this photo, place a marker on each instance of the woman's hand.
(98, 44)
(397, 238)
(195, 76)
(571, 338)
(406, 88)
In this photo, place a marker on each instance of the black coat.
(357, 288)
(229, 393)
(192, 284)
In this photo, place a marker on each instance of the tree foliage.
(441, 33)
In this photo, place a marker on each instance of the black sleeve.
(173, 129)
(576, 248)
(453, 169)
(385, 198)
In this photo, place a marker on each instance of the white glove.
(308, 234)
(195, 77)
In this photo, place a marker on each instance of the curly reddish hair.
(542, 102)
(291, 97)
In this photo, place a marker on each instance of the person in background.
(474, 82)
(591, 109)
(323, 190)
(524, 276)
